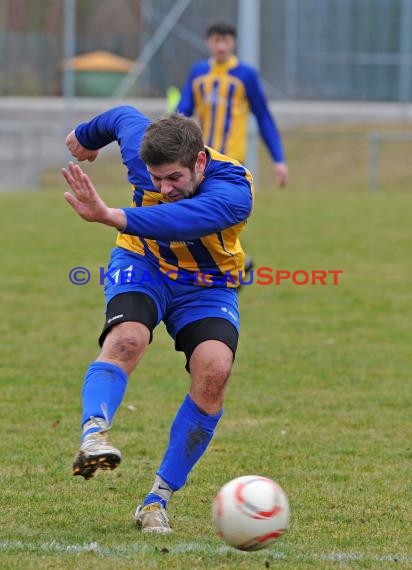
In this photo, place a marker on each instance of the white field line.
(54, 547)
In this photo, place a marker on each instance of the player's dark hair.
(172, 139)
(221, 29)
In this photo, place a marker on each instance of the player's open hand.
(87, 202)
(85, 199)
(77, 150)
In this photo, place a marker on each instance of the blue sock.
(190, 434)
(153, 498)
(103, 390)
(161, 492)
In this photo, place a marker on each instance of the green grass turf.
(320, 397)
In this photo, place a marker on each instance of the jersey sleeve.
(124, 125)
(260, 108)
(186, 104)
(192, 218)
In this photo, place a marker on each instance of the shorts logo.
(114, 318)
(229, 312)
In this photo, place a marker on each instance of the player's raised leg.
(103, 390)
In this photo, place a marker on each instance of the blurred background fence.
(321, 61)
(316, 49)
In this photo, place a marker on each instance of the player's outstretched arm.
(86, 201)
(77, 150)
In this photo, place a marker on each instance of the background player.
(220, 92)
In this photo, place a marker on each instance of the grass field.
(320, 397)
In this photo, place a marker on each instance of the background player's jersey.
(195, 239)
(221, 95)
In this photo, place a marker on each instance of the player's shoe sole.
(95, 453)
(86, 466)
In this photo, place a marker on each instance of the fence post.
(374, 141)
(249, 51)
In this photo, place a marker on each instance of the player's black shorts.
(210, 328)
(130, 307)
(139, 307)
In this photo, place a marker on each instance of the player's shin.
(190, 434)
(103, 390)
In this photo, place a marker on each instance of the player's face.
(221, 46)
(176, 182)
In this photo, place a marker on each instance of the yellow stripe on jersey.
(133, 243)
(215, 155)
(222, 107)
(224, 247)
(227, 251)
(217, 137)
(184, 257)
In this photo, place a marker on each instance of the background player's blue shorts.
(178, 304)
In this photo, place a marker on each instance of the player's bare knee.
(208, 386)
(212, 390)
(127, 347)
(124, 346)
(218, 371)
(213, 357)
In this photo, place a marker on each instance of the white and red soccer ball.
(251, 512)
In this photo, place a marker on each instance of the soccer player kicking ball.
(189, 206)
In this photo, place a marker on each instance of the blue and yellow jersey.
(195, 239)
(221, 95)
